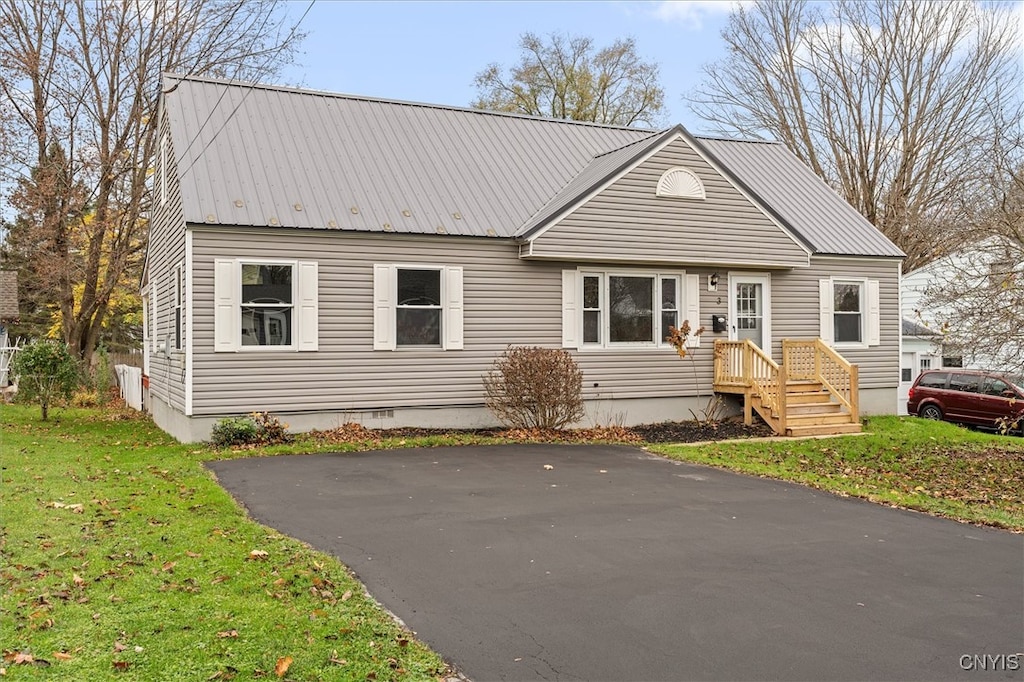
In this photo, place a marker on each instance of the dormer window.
(680, 183)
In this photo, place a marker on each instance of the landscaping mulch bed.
(664, 432)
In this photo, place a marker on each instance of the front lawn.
(120, 557)
(908, 462)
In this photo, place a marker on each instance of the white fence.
(6, 356)
(130, 380)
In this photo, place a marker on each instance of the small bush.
(233, 431)
(535, 388)
(258, 428)
(270, 429)
(46, 372)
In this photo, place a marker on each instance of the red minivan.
(985, 399)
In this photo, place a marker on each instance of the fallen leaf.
(220, 579)
(347, 595)
(61, 656)
(548, 467)
(258, 555)
(118, 647)
(120, 665)
(77, 579)
(168, 567)
(282, 666)
(228, 633)
(193, 555)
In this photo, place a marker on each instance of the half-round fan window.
(681, 184)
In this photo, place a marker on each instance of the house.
(331, 258)
(920, 350)
(9, 313)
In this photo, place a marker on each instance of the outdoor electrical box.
(718, 324)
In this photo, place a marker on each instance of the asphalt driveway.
(617, 565)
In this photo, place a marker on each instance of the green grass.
(928, 466)
(121, 558)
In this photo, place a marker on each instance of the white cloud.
(691, 13)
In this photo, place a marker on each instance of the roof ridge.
(717, 138)
(653, 133)
(384, 100)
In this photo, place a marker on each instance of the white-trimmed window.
(265, 304)
(849, 310)
(621, 309)
(417, 306)
(179, 305)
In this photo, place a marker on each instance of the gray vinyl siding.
(626, 221)
(166, 249)
(795, 313)
(507, 301)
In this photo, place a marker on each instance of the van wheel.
(931, 412)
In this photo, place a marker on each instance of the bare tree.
(80, 82)
(976, 298)
(566, 77)
(897, 104)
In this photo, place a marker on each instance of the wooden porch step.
(825, 407)
(795, 386)
(806, 398)
(822, 430)
(817, 419)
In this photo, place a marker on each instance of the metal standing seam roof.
(258, 155)
(828, 224)
(253, 154)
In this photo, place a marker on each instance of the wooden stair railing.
(742, 367)
(815, 361)
(813, 391)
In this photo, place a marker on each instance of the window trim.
(870, 312)
(178, 330)
(439, 269)
(294, 265)
(862, 295)
(604, 332)
(385, 307)
(227, 295)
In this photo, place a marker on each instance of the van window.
(995, 386)
(933, 380)
(968, 383)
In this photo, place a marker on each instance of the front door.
(749, 309)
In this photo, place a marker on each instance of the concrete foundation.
(602, 412)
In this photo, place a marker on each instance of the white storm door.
(750, 309)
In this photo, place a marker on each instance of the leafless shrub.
(535, 388)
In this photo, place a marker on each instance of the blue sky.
(431, 51)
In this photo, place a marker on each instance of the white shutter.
(874, 331)
(692, 308)
(570, 309)
(826, 328)
(452, 326)
(227, 318)
(385, 291)
(308, 306)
